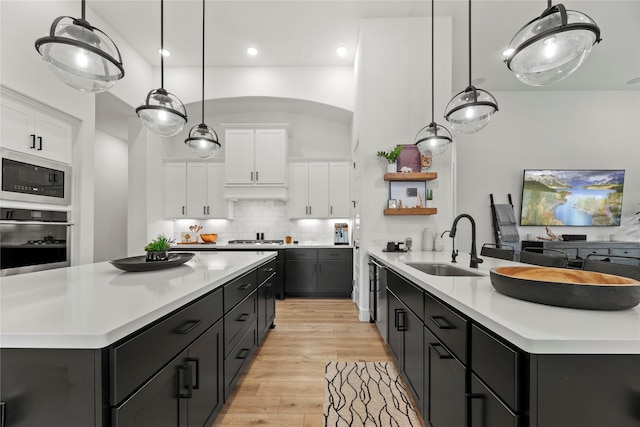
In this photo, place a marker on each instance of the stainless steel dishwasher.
(378, 296)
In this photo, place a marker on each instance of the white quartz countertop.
(535, 328)
(94, 305)
(260, 246)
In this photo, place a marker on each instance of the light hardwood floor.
(284, 384)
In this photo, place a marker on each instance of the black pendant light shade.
(203, 140)
(470, 110)
(552, 46)
(162, 113)
(81, 55)
(433, 139)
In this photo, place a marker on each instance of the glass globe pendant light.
(203, 140)
(162, 113)
(81, 55)
(433, 139)
(551, 47)
(470, 110)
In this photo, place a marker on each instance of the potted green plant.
(391, 157)
(157, 249)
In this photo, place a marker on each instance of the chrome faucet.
(474, 255)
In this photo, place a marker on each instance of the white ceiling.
(306, 33)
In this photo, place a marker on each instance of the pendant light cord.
(470, 42)
(433, 120)
(83, 10)
(203, 31)
(162, 44)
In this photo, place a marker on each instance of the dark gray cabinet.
(325, 272)
(266, 299)
(405, 339)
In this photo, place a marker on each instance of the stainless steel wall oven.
(33, 240)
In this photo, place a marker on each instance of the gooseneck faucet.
(474, 255)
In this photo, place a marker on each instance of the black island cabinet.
(177, 371)
(472, 377)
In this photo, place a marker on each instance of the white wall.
(111, 185)
(393, 101)
(550, 129)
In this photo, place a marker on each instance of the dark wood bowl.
(565, 287)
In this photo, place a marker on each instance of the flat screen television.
(573, 197)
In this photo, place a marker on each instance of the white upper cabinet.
(308, 190)
(30, 130)
(175, 190)
(256, 157)
(195, 191)
(339, 190)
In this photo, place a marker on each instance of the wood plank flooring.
(284, 385)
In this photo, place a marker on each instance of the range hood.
(256, 193)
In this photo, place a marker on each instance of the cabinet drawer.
(626, 251)
(343, 254)
(498, 365)
(133, 361)
(487, 410)
(265, 271)
(301, 254)
(238, 320)
(238, 357)
(583, 252)
(447, 325)
(410, 295)
(239, 289)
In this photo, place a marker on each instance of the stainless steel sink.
(440, 269)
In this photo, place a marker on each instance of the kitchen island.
(472, 356)
(94, 345)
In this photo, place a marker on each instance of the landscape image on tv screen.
(572, 197)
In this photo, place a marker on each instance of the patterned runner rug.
(366, 394)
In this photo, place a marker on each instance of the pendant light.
(203, 140)
(432, 139)
(162, 113)
(551, 47)
(81, 55)
(470, 110)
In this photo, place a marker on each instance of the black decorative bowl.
(140, 263)
(565, 287)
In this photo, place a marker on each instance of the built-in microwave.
(28, 178)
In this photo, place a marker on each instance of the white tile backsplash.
(264, 216)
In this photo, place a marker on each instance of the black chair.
(627, 266)
(544, 257)
(495, 251)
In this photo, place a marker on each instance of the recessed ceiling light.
(252, 51)
(634, 81)
(341, 51)
(164, 52)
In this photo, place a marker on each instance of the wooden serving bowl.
(209, 238)
(565, 287)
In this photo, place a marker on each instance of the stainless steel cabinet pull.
(444, 354)
(39, 143)
(331, 210)
(184, 376)
(2, 411)
(243, 317)
(188, 326)
(251, 175)
(204, 210)
(183, 210)
(256, 175)
(33, 141)
(245, 287)
(208, 211)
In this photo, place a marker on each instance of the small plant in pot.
(157, 249)
(391, 157)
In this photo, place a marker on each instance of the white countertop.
(257, 246)
(535, 328)
(94, 305)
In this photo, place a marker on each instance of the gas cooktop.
(255, 242)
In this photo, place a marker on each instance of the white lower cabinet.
(318, 190)
(195, 190)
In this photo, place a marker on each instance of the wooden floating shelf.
(411, 211)
(410, 176)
